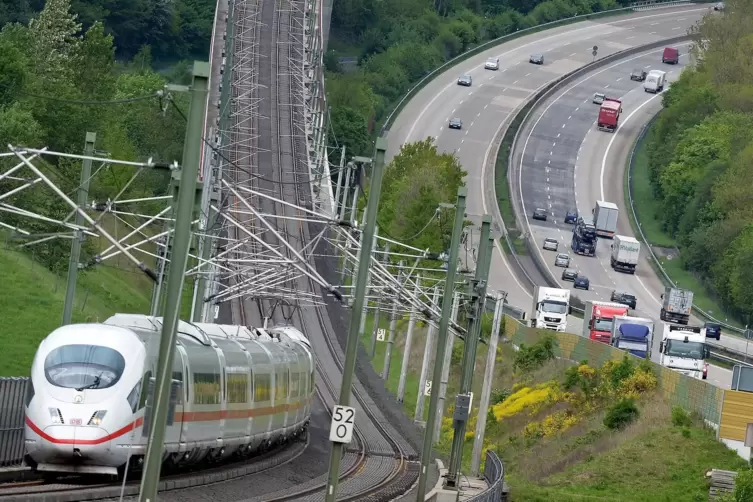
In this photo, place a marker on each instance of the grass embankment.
(570, 431)
(647, 209)
(32, 298)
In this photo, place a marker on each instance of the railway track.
(80, 488)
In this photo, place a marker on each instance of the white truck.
(655, 81)
(605, 218)
(676, 306)
(683, 349)
(550, 308)
(625, 252)
(633, 334)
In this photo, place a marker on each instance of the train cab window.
(262, 388)
(206, 388)
(84, 367)
(311, 383)
(178, 383)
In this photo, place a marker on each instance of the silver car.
(550, 244)
(562, 260)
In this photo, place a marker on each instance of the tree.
(95, 62)
(12, 72)
(351, 129)
(54, 42)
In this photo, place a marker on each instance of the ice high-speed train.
(235, 390)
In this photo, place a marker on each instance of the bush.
(499, 395)
(533, 357)
(621, 414)
(680, 417)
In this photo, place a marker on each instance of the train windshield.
(84, 367)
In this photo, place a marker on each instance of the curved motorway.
(565, 161)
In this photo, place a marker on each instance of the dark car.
(571, 217)
(569, 274)
(455, 123)
(465, 80)
(638, 75)
(536, 59)
(624, 298)
(581, 282)
(713, 330)
(539, 214)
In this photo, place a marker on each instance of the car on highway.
(551, 244)
(536, 59)
(562, 260)
(569, 274)
(598, 98)
(539, 214)
(571, 217)
(492, 64)
(638, 75)
(455, 123)
(624, 298)
(581, 282)
(713, 330)
(465, 80)
(719, 6)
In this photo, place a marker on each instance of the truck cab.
(550, 308)
(683, 349)
(634, 335)
(598, 319)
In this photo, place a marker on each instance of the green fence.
(689, 393)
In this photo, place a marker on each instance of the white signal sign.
(343, 421)
(380, 334)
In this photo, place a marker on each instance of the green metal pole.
(184, 214)
(359, 297)
(78, 238)
(444, 324)
(478, 294)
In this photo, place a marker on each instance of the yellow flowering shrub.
(586, 371)
(638, 383)
(527, 398)
(532, 430)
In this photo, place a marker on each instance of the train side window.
(295, 384)
(206, 388)
(178, 377)
(236, 387)
(262, 384)
(283, 385)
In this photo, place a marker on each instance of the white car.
(551, 244)
(598, 98)
(562, 260)
(492, 64)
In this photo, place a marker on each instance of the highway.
(496, 95)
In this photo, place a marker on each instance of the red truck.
(598, 318)
(609, 114)
(670, 55)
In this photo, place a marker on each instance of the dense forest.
(398, 42)
(701, 158)
(174, 29)
(59, 80)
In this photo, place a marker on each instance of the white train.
(235, 391)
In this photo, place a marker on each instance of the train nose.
(78, 441)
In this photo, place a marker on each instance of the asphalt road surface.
(495, 95)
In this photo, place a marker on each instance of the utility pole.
(378, 307)
(463, 402)
(78, 237)
(393, 325)
(183, 214)
(446, 363)
(406, 352)
(362, 326)
(428, 349)
(359, 296)
(206, 242)
(444, 324)
(486, 388)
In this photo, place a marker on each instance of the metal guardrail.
(494, 474)
(12, 395)
(638, 6)
(663, 274)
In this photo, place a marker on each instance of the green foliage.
(498, 396)
(680, 417)
(400, 41)
(528, 358)
(701, 159)
(621, 414)
(46, 68)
